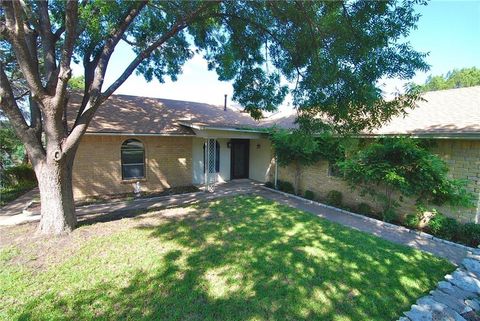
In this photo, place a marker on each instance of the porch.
(219, 156)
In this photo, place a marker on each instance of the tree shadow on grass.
(247, 258)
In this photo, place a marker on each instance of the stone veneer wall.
(97, 167)
(462, 157)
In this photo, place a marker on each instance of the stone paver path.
(457, 298)
(396, 234)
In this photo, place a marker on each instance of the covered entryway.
(238, 154)
(240, 158)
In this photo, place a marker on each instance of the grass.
(242, 258)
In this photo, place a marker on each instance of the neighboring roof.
(123, 114)
(442, 113)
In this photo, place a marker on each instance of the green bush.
(389, 215)
(469, 234)
(444, 227)
(334, 198)
(364, 209)
(269, 185)
(412, 221)
(10, 193)
(309, 195)
(286, 187)
(394, 168)
(21, 173)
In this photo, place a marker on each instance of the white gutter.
(230, 129)
(473, 136)
(137, 134)
(276, 171)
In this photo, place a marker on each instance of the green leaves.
(296, 146)
(328, 55)
(465, 77)
(404, 165)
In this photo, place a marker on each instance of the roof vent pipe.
(225, 103)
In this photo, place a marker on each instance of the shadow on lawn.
(248, 259)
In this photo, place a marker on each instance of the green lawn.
(242, 258)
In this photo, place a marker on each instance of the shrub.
(309, 195)
(390, 169)
(364, 209)
(286, 187)
(334, 198)
(389, 215)
(21, 173)
(412, 221)
(444, 227)
(269, 185)
(469, 234)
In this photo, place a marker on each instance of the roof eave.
(230, 129)
(425, 135)
(137, 134)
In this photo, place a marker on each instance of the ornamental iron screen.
(210, 160)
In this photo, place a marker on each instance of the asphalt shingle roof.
(453, 111)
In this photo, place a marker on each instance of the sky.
(449, 31)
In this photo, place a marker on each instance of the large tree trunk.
(56, 196)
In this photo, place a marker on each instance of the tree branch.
(176, 28)
(16, 33)
(9, 106)
(48, 41)
(92, 105)
(109, 47)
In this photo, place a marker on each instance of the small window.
(133, 159)
(217, 158)
(334, 170)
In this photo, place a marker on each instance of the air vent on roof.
(225, 103)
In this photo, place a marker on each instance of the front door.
(240, 149)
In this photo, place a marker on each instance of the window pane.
(132, 156)
(133, 171)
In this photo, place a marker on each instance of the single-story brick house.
(164, 143)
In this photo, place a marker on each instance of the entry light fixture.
(229, 144)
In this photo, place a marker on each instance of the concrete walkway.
(393, 233)
(17, 206)
(396, 234)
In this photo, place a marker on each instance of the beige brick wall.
(97, 167)
(462, 156)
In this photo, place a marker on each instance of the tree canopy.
(456, 78)
(328, 55)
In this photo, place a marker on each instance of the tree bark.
(56, 196)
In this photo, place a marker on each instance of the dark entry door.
(240, 149)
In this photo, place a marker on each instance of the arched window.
(217, 158)
(133, 159)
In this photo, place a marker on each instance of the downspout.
(276, 171)
(205, 162)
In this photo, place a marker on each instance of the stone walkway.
(396, 234)
(457, 298)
